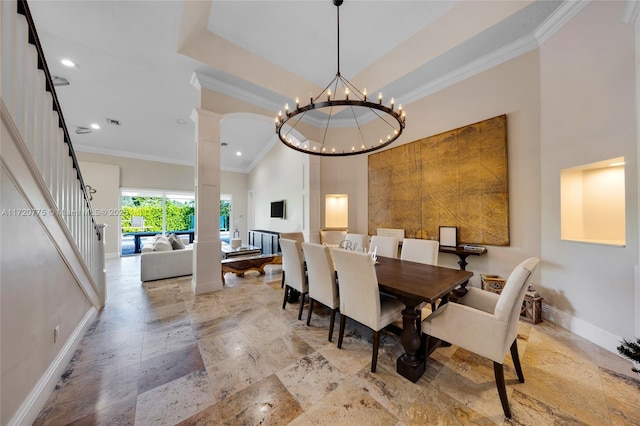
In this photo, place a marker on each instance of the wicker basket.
(492, 283)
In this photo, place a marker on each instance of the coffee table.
(228, 252)
(241, 264)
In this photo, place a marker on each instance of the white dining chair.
(486, 324)
(421, 251)
(332, 237)
(321, 275)
(357, 242)
(384, 246)
(293, 271)
(360, 298)
(296, 236)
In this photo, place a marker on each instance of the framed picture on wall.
(449, 236)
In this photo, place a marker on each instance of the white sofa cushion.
(162, 244)
(157, 265)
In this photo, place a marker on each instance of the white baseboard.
(38, 396)
(600, 337)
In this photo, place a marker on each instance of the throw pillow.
(162, 244)
(176, 242)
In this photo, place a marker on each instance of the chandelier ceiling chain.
(387, 116)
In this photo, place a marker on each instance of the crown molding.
(497, 57)
(558, 19)
(133, 155)
(631, 11)
(225, 88)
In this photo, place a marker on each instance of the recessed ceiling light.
(67, 63)
(95, 126)
(181, 121)
(82, 130)
(238, 153)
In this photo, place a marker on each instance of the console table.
(462, 254)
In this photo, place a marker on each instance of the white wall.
(39, 292)
(588, 102)
(105, 180)
(144, 174)
(236, 184)
(511, 88)
(279, 176)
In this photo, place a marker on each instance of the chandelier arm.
(364, 142)
(326, 128)
(383, 118)
(328, 86)
(301, 116)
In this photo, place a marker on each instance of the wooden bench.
(240, 265)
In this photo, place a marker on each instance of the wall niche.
(592, 203)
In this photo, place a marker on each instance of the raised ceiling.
(136, 60)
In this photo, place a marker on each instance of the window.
(146, 213)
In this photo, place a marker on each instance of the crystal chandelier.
(351, 124)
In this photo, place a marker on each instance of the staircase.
(52, 258)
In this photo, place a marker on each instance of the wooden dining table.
(413, 283)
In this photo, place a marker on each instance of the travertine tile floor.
(158, 355)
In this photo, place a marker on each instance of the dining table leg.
(411, 364)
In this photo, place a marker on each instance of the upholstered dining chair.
(384, 246)
(357, 242)
(421, 251)
(332, 237)
(486, 324)
(321, 274)
(360, 298)
(296, 236)
(294, 275)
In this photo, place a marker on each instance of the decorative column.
(206, 244)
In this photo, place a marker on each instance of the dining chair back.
(360, 298)
(293, 271)
(332, 237)
(486, 324)
(296, 236)
(384, 246)
(321, 274)
(356, 242)
(421, 251)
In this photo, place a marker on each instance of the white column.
(206, 246)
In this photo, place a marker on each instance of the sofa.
(165, 258)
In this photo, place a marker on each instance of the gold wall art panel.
(457, 178)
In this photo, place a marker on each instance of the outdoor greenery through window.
(147, 213)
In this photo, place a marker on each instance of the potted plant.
(631, 350)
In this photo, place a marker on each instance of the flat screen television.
(278, 209)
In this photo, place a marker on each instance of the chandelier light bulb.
(393, 101)
(346, 93)
(364, 92)
(286, 108)
(380, 98)
(297, 102)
